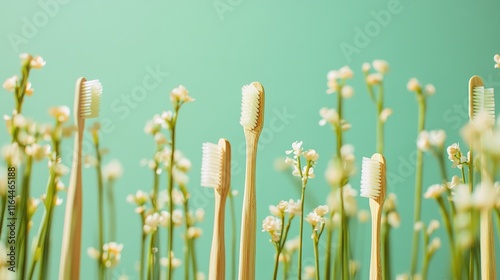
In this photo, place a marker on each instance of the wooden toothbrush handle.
(488, 270)
(218, 252)
(72, 232)
(375, 264)
(248, 217)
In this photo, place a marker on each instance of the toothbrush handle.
(72, 234)
(488, 270)
(218, 251)
(375, 265)
(248, 219)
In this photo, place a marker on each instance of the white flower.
(194, 232)
(113, 170)
(413, 85)
(434, 246)
(394, 219)
(418, 226)
(177, 217)
(365, 67)
(423, 142)
(93, 253)
(329, 116)
(455, 181)
(363, 216)
(315, 220)
(271, 224)
(140, 198)
(175, 261)
(309, 272)
(462, 197)
(29, 90)
(37, 62)
(455, 155)
(374, 78)
(380, 66)
(430, 89)
(496, 58)
(437, 138)
(296, 149)
(384, 115)
(292, 245)
(180, 95)
(60, 113)
(390, 202)
(294, 207)
(433, 225)
(347, 91)
(111, 254)
(199, 214)
(10, 83)
(434, 191)
(37, 151)
(12, 154)
(310, 172)
(311, 155)
(485, 196)
(346, 73)
(332, 83)
(321, 210)
(151, 222)
(279, 210)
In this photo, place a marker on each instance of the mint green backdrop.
(288, 46)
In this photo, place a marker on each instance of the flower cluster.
(336, 81)
(304, 172)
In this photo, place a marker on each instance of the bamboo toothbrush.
(373, 187)
(87, 100)
(216, 173)
(252, 120)
(482, 100)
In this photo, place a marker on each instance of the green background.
(288, 46)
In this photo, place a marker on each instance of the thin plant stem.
(187, 245)
(418, 183)
(278, 251)
(100, 207)
(329, 235)
(2, 212)
(387, 251)
(170, 199)
(444, 176)
(449, 231)
(143, 248)
(316, 254)
(380, 123)
(24, 219)
(112, 211)
(301, 230)
(151, 257)
(425, 266)
(193, 258)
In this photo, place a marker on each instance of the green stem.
(2, 212)
(449, 231)
(380, 123)
(301, 230)
(151, 257)
(143, 247)
(285, 269)
(170, 199)
(328, 257)
(233, 237)
(386, 253)
(24, 220)
(316, 255)
(100, 207)
(425, 266)
(418, 184)
(112, 211)
(279, 247)
(193, 258)
(187, 241)
(444, 177)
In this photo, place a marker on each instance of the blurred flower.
(496, 58)
(365, 67)
(37, 151)
(430, 89)
(175, 261)
(180, 95)
(413, 85)
(293, 207)
(194, 232)
(111, 254)
(37, 62)
(374, 79)
(329, 116)
(434, 191)
(384, 115)
(29, 90)
(10, 83)
(311, 155)
(346, 73)
(455, 155)
(296, 149)
(113, 170)
(347, 91)
(12, 154)
(363, 216)
(434, 246)
(433, 225)
(60, 113)
(380, 66)
(151, 222)
(309, 272)
(462, 197)
(279, 210)
(394, 219)
(485, 196)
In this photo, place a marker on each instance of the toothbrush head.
(90, 99)
(216, 166)
(373, 178)
(252, 107)
(481, 99)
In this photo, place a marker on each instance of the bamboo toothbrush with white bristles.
(373, 186)
(252, 120)
(216, 173)
(482, 100)
(87, 100)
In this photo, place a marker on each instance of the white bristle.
(483, 99)
(90, 99)
(211, 165)
(249, 106)
(370, 178)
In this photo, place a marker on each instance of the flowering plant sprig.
(421, 93)
(274, 226)
(304, 172)
(317, 221)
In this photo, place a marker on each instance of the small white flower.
(271, 224)
(309, 272)
(384, 115)
(363, 216)
(434, 246)
(175, 261)
(365, 67)
(394, 219)
(10, 83)
(60, 113)
(346, 73)
(496, 58)
(485, 196)
(413, 85)
(423, 142)
(37, 151)
(418, 226)
(152, 222)
(430, 89)
(434, 191)
(111, 254)
(37, 62)
(296, 149)
(194, 232)
(437, 138)
(347, 92)
(462, 197)
(93, 253)
(199, 214)
(321, 210)
(329, 116)
(380, 66)
(12, 154)
(140, 198)
(180, 94)
(292, 245)
(294, 207)
(455, 181)
(455, 155)
(374, 78)
(29, 90)
(113, 170)
(315, 220)
(311, 155)
(433, 225)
